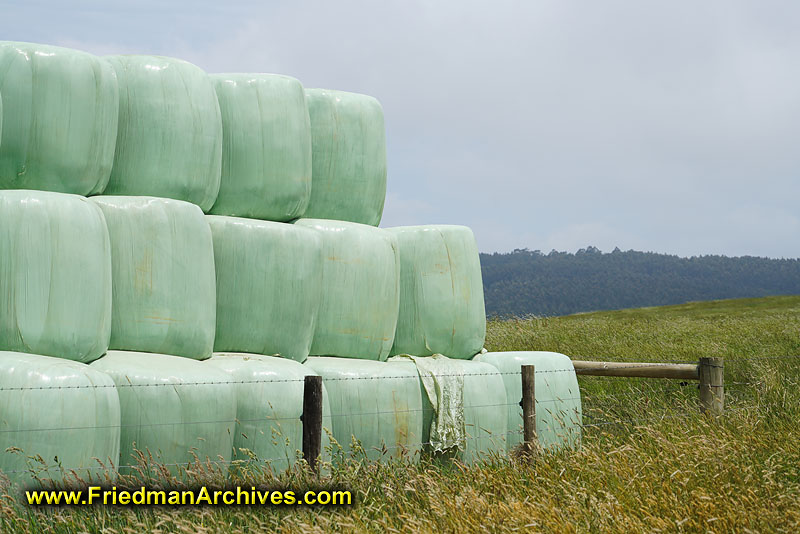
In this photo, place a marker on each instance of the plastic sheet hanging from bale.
(269, 285)
(379, 404)
(441, 292)
(360, 290)
(173, 409)
(55, 275)
(54, 408)
(269, 397)
(558, 398)
(169, 141)
(444, 390)
(164, 289)
(266, 148)
(348, 157)
(59, 123)
(465, 407)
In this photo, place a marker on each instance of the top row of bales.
(247, 145)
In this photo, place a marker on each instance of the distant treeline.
(526, 282)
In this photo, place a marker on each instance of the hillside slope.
(526, 282)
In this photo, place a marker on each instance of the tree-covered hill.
(527, 282)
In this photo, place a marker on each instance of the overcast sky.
(664, 126)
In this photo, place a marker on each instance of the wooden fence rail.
(709, 372)
(680, 371)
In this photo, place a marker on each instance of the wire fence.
(174, 382)
(591, 404)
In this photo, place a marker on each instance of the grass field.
(648, 463)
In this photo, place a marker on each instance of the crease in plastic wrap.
(169, 141)
(266, 147)
(445, 391)
(348, 157)
(441, 292)
(64, 410)
(269, 400)
(360, 290)
(558, 398)
(55, 275)
(164, 291)
(171, 407)
(379, 404)
(59, 124)
(269, 286)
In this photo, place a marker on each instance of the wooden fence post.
(529, 407)
(312, 420)
(712, 386)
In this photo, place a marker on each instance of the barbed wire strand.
(634, 365)
(296, 380)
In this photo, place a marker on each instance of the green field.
(648, 463)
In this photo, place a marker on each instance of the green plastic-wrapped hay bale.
(441, 292)
(269, 396)
(348, 157)
(558, 399)
(266, 147)
(55, 275)
(59, 123)
(360, 290)
(164, 293)
(484, 407)
(64, 412)
(377, 403)
(169, 141)
(269, 285)
(464, 407)
(172, 408)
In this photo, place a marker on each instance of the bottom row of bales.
(130, 411)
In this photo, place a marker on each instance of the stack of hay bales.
(58, 121)
(55, 286)
(163, 322)
(296, 286)
(232, 251)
